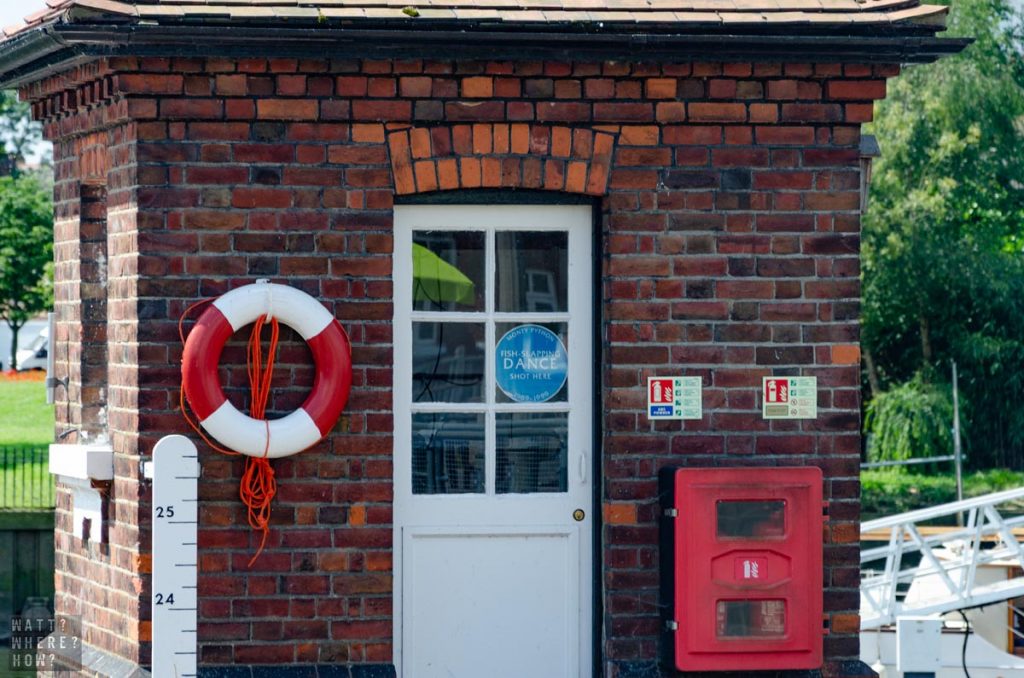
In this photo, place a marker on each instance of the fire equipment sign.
(674, 398)
(789, 398)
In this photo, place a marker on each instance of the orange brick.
(146, 631)
(333, 562)
(482, 140)
(845, 623)
(420, 139)
(661, 88)
(845, 533)
(401, 163)
(470, 172)
(576, 177)
(367, 133)
(620, 514)
(640, 136)
(561, 142)
(582, 144)
(603, 146)
(287, 109)
(478, 87)
(554, 175)
(426, 176)
(501, 139)
(520, 139)
(357, 515)
(144, 563)
(846, 354)
(447, 174)
(491, 168)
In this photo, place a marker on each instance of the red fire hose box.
(742, 567)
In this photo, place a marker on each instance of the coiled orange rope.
(258, 485)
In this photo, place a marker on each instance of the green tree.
(943, 249)
(26, 253)
(18, 132)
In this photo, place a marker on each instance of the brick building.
(669, 187)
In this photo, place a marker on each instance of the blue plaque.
(531, 364)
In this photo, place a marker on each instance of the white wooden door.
(493, 420)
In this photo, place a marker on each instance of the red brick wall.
(95, 289)
(729, 215)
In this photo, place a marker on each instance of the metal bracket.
(671, 513)
(671, 625)
(54, 382)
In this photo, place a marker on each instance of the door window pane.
(447, 362)
(751, 618)
(531, 362)
(447, 453)
(751, 519)
(531, 270)
(532, 452)
(448, 271)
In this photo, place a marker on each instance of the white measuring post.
(175, 536)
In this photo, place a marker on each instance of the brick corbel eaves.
(501, 155)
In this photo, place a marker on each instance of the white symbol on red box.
(777, 390)
(751, 569)
(661, 391)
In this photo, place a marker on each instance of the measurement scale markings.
(175, 490)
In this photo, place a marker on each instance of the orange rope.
(258, 485)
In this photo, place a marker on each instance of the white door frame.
(550, 513)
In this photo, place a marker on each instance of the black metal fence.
(25, 480)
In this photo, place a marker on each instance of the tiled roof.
(677, 13)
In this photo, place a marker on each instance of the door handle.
(583, 467)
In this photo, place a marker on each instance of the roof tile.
(695, 12)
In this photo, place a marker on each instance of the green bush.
(884, 492)
(912, 420)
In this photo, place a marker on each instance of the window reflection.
(532, 271)
(447, 453)
(751, 519)
(448, 362)
(448, 271)
(532, 452)
(751, 618)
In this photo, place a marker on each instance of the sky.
(13, 11)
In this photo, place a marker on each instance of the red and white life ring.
(332, 355)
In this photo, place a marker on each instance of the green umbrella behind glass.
(437, 281)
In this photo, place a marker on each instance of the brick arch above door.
(501, 155)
